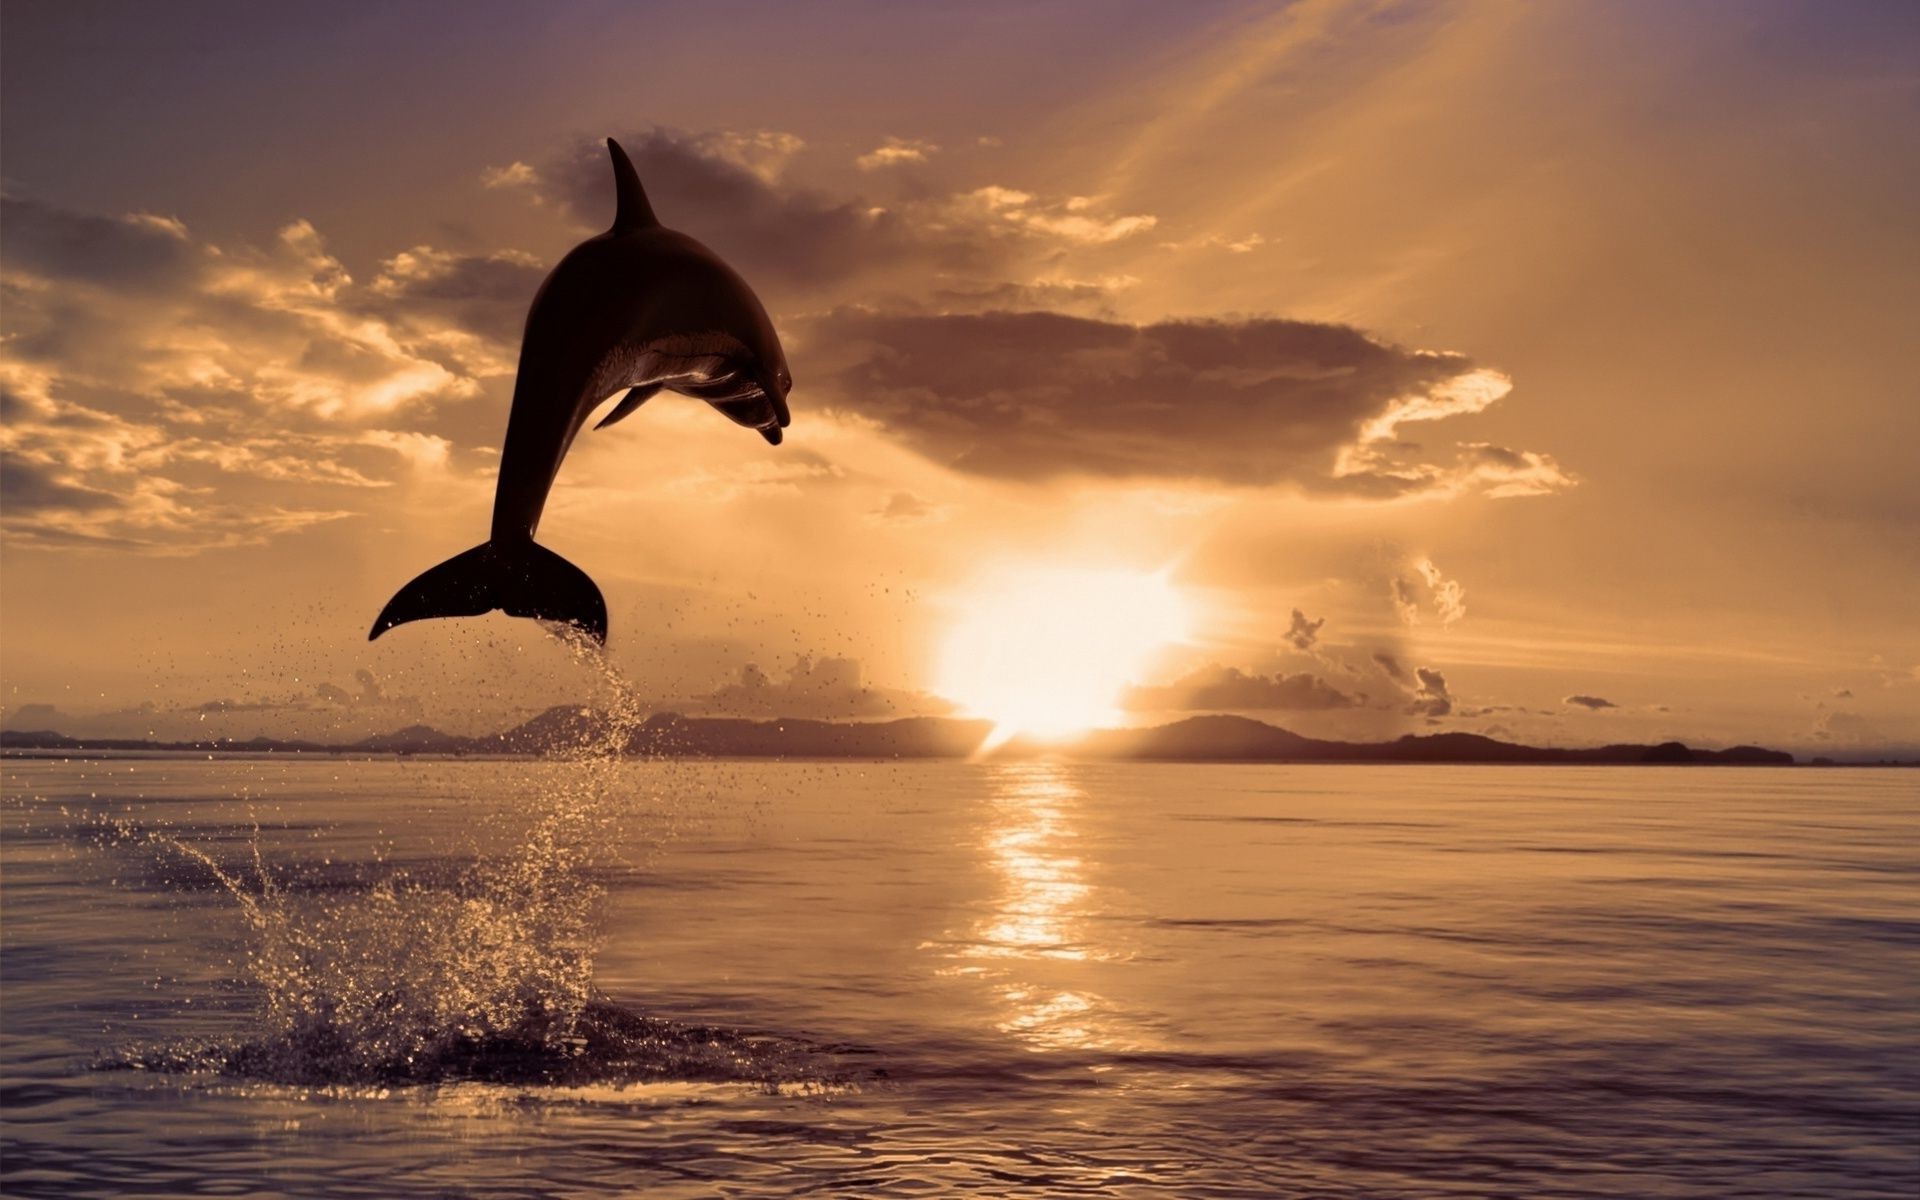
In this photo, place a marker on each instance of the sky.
(1542, 371)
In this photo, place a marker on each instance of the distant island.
(1220, 738)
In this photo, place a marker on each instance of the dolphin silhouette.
(640, 307)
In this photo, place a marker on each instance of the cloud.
(1075, 219)
(895, 151)
(1449, 598)
(1432, 591)
(1216, 241)
(997, 387)
(1431, 698)
(1217, 689)
(1301, 633)
(790, 235)
(764, 152)
(1589, 702)
(1081, 297)
(821, 689)
(329, 711)
(905, 507)
(733, 192)
(151, 382)
(1502, 473)
(1406, 600)
(1390, 667)
(1034, 395)
(136, 250)
(1843, 728)
(514, 174)
(29, 487)
(486, 295)
(786, 475)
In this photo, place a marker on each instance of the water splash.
(486, 975)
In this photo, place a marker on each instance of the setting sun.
(1050, 651)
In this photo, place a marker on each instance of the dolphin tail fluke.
(523, 580)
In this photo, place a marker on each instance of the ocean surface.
(330, 977)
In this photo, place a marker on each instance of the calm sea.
(585, 978)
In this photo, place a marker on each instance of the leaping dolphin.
(641, 307)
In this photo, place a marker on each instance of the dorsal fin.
(632, 210)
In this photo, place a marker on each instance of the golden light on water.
(1034, 945)
(1044, 892)
(1049, 652)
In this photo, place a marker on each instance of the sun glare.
(1049, 652)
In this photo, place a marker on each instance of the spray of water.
(487, 974)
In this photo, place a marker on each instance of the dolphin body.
(640, 307)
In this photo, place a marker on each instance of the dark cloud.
(1033, 395)
(821, 689)
(33, 718)
(1590, 702)
(990, 246)
(1082, 299)
(1390, 666)
(1301, 633)
(1431, 698)
(132, 251)
(1218, 689)
(704, 185)
(28, 487)
(485, 294)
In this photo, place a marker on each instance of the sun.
(1049, 652)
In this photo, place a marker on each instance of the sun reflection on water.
(1033, 945)
(1042, 906)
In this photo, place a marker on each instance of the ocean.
(331, 977)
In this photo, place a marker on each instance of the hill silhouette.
(1215, 738)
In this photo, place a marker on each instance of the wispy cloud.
(895, 152)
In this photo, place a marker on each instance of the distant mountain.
(1242, 739)
(1219, 738)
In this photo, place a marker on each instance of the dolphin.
(640, 307)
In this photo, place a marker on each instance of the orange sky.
(1549, 360)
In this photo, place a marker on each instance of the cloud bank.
(1038, 395)
(1229, 689)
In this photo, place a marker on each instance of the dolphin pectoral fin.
(523, 580)
(632, 400)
